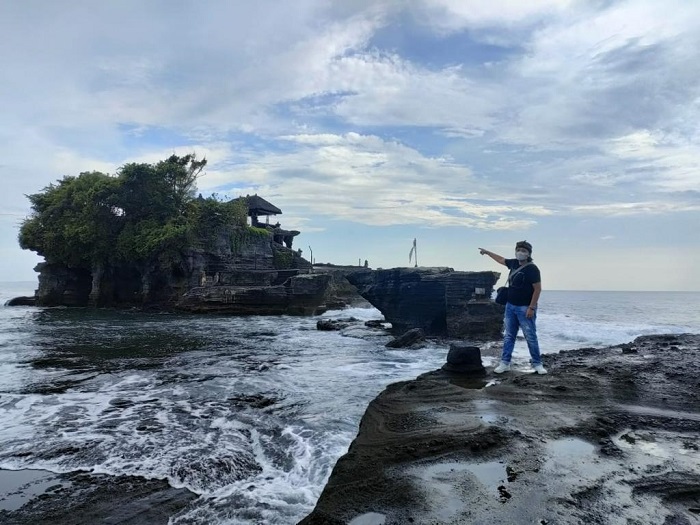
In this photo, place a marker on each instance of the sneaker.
(540, 369)
(502, 367)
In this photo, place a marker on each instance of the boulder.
(464, 359)
(411, 337)
(330, 325)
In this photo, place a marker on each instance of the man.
(524, 290)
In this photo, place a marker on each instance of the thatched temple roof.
(258, 206)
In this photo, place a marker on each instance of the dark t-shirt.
(520, 289)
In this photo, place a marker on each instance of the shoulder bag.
(502, 292)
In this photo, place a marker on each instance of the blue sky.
(574, 125)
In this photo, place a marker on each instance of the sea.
(249, 413)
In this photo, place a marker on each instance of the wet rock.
(330, 325)
(375, 323)
(510, 432)
(21, 301)
(503, 493)
(464, 359)
(512, 474)
(407, 339)
(629, 349)
(86, 499)
(121, 403)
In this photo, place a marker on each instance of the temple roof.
(260, 206)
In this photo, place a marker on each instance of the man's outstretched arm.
(494, 256)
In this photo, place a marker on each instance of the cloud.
(369, 180)
(607, 73)
(621, 209)
(455, 15)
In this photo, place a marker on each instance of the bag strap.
(516, 270)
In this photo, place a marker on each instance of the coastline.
(609, 432)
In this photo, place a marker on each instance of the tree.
(147, 212)
(75, 222)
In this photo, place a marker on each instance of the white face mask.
(521, 256)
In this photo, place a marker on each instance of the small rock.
(409, 338)
(464, 359)
(329, 325)
(503, 492)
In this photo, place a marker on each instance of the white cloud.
(673, 162)
(620, 209)
(453, 15)
(371, 181)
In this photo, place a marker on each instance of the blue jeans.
(515, 318)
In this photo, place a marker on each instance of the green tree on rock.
(145, 211)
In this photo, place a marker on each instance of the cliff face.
(230, 272)
(440, 301)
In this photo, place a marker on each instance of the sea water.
(250, 413)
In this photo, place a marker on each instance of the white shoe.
(540, 369)
(503, 367)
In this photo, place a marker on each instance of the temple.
(259, 207)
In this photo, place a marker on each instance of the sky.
(461, 123)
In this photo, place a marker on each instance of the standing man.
(524, 291)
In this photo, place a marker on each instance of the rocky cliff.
(440, 301)
(234, 272)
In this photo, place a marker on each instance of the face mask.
(521, 256)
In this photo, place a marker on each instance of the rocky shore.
(610, 436)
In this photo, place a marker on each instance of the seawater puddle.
(568, 456)
(369, 518)
(476, 411)
(485, 410)
(17, 487)
(658, 447)
(570, 447)
(443, 484)
(490, 474)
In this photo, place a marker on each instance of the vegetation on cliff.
(144, 212)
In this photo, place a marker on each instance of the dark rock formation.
(21, 301)
(233, 272)
(569, 447)
(79, 498)
(409, 338)
(298, 295)
(440, 301)
(330, 325)
(340, 292)
(60, 285)
(464, 359)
